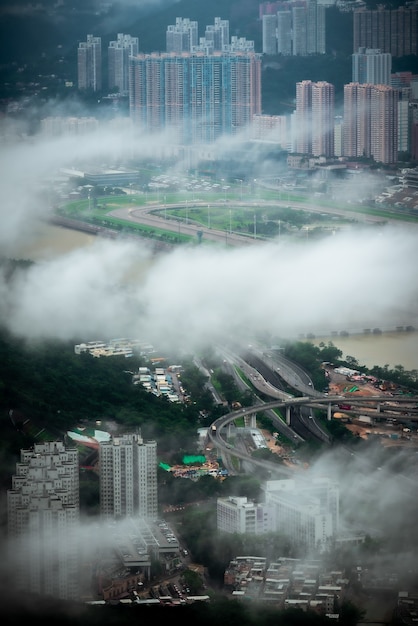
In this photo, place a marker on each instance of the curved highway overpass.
(217, 427)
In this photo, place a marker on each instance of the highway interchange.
(262, 369)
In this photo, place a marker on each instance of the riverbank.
(390, 347)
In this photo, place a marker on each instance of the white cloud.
(196, 294)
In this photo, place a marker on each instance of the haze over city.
(363, 277)
(194, 296)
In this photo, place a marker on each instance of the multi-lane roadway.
(261, 370)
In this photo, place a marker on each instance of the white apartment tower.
(89, 64)
(218, 34)
(284, 33)
(43, 516)
(269, 26)
(315, 28)
(299, 31)
(181, 36)
(119, 52)
(306, 511)
(128, 477)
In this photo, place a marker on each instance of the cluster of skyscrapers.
(201, 88)
(46, 554)
(296, 28)
(392, 30)
(291, 27)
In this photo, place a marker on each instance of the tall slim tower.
(404, 119)
(89, 64)
(284, 32)
(119, 52)
(384, 124)
(43, 516)
(128, 477)
(303, 117)
(323, 119)
(315, 27)
(269, 34)
(299, 31)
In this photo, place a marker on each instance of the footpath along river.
(391, 348)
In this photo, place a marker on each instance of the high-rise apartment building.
(315, 27)
(269, 34)
(371, 66)
(128, 477)
(296, 28)
(390, 30)
(371, 122)
(119, 52)
(303, 118)
(198, 96)
(89, 64)
(357, 118)
(218, 34)
(384, 124)
(182, 36)
(299, 31)
(43, 518)
(314, 119)
(404, 119)
(323, 119)
(284, 33)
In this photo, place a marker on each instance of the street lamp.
(255, 226)
(208, 216)
(230, 221)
